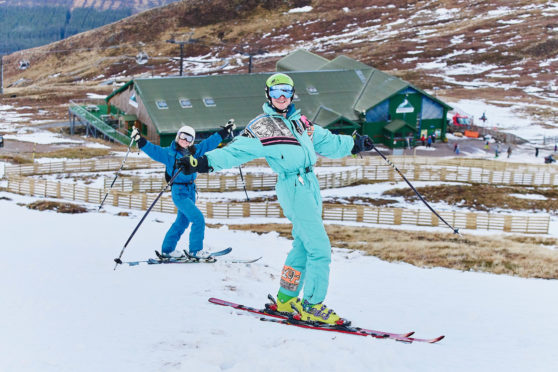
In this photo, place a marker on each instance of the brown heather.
(523, 256)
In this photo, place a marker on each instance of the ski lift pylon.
(23, 64)
(142, 58)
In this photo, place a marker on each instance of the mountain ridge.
(453, 48)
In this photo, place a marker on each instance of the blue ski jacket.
(169, 155)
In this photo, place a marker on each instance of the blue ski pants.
(307, 264)
(184, 197)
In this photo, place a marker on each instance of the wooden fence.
(220, 182)
(402, 162)
(88, 165)
(532, 223)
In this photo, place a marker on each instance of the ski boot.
(199, 256)
(318, 314)
(169, 256)
(282, 308)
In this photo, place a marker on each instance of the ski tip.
(434, 340)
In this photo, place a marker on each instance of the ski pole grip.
(193, 161)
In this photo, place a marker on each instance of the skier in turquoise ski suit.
(289, 143)
(183, 189)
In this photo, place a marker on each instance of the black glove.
(362, 143)
(189, 164)
(227, 129)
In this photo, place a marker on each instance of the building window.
(185, 103)
(161, 104)
(209, 102)
(431, 109)
(312, 90)
(378, 113)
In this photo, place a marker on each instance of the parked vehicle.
(461, 120)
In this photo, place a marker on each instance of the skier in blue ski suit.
(289, 143)
(183, 189)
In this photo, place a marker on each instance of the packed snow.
(66, 309)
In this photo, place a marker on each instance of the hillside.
(492, 50)
(137, 5)
(29, 23)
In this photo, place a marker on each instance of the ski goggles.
(185, 136)
(279, 90)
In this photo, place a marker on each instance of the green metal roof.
(326, 116)
(341, 89)
(301, 60)
(241, 97)
(381, 86)
(344, 63)
(397, 124)
(378, 88)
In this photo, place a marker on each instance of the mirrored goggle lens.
(277, 91)
(186, 136)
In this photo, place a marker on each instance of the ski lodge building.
(342, 95)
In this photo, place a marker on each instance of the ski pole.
(117, 173)
(231, 121)
(455, 231)
(243, 183)
(118, 259)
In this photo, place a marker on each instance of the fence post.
(508, 223)
(397, 216)
(209, 209)
(360, 213)
(471, 221)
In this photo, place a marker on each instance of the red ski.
(269, 316)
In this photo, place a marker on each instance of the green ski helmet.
(278, 79)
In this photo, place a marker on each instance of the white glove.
(135, 134)
(231, 125)
(228, 129)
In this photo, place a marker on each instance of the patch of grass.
(44, 205)
(15, 159)
(483, 197)
(502, 254)
(75, 153)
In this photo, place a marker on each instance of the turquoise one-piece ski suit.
(290, 145)
(183, 192)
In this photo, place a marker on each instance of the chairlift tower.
(182, 43)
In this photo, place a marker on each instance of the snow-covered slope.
(65, 309)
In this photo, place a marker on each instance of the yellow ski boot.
(318, 314)
(283, 308)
